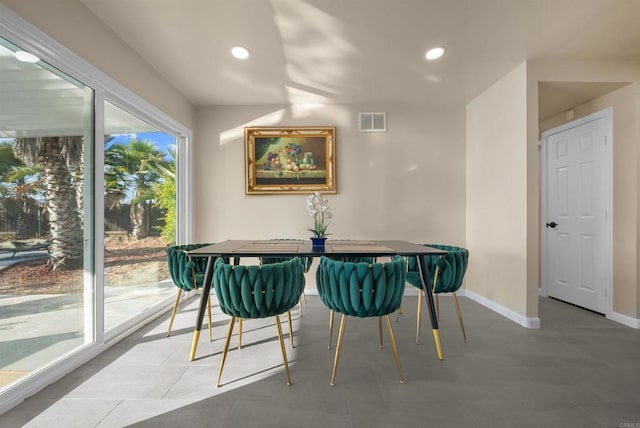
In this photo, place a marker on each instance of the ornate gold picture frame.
(290, 160)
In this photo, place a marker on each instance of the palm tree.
(20, 188)
(115, 174)
(134, 168)
(8, 161)
(59, 158)
(165, 195)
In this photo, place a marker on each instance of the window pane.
(140, 214)
(46, 286)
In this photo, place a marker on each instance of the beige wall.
(74, 26)
(626, 113)
(494, 138)
(497, 193)
(407, 183)
(419, 164)
(624, 102)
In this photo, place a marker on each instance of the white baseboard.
(624, 319)
(528, 322)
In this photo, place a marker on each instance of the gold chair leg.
(437, 306)
(226, 349)
(398, 313)
(304, 296)
(284, 351)
(240, 334)
(210, 323)
(175, 311)
(419, 317)
(395, 349)
(343, 322)
(330, 328)
(455, 300)
(290, 328)
(380, 331)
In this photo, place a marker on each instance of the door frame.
(607, 114)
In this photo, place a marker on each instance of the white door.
(576, 227)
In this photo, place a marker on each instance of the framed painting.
(290, 160)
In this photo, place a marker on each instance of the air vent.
(373, 122)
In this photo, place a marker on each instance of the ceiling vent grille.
(373, 122)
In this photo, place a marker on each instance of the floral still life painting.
(290, 160)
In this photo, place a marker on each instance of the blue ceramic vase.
(317, 242)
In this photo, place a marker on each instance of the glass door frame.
(22, 33)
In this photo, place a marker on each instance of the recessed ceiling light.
(240, 52)
(26, 57)
(435, 53)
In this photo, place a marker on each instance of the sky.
(161, 139)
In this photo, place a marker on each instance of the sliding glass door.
(46, 217)
(89, 202)
(140, 215)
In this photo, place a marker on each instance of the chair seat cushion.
(451, 269)
(361, 289)
(258, 291)
(185, 270)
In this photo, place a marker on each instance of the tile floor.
(578, 370)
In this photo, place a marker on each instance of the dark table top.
(302, 247)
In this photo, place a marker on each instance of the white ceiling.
(556, 97)
(362, 52)
(34, 101)
(38, 100)
(368, 53)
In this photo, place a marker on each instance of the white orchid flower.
(318, 208)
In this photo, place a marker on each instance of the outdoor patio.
(36, 329)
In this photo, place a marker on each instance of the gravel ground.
(128, 262)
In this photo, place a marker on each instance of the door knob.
(552, 225)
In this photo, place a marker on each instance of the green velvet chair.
(352, 259)
(187, 274)
(446, 273)
(306, 263)
(258, 292)
(362, 290)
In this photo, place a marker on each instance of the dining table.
(238, 249)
